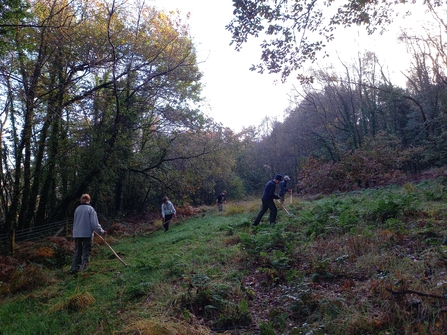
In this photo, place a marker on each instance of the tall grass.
(370, 262)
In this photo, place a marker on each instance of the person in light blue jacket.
(84, 224)
(167, 212)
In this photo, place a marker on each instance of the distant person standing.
(283, 188)
(84, 224)
(267, 201)
(221, 200)
(167, 212)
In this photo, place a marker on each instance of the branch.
(394, 293)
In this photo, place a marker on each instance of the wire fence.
(57, 228)
(35, 233)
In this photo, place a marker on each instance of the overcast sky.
(238, 97)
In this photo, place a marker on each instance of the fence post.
(12, 238)
(66, 228)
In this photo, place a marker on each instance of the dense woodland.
(105, 97)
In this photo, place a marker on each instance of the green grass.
(370, 262)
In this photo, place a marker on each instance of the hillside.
(366, 262)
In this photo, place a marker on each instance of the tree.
(251, 166)
(12, 12)
(426, 83)
(95, 94)
(297, 31)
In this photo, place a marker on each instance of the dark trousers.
(168, 217)
(83, 250)
(268, 204)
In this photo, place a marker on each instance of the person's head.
(224, 192)
(286, 178)
(165, 199)
(278, 178)
(85, 199)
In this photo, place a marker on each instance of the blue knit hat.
(278, 177)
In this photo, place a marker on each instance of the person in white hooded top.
(167, 212)
(84, 224)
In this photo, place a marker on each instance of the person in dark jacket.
(221, 199)
(283, 188)
(84, 224)
(267, 201)
(167, 212)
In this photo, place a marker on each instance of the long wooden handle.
(111, 248)
(283, 206)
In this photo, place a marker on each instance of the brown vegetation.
(355, 172)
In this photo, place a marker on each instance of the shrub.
(210, 300)
(379, 161)
(75, 303)
(26, 278)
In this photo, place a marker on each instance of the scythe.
(119, 258)
(283, 206)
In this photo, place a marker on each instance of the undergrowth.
(365, 262)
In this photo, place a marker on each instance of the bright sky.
(237, 97)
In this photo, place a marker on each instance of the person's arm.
(173, 210)
(95, 222)
(270, 190)
(274, 195)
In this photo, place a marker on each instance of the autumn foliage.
(375, 164)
